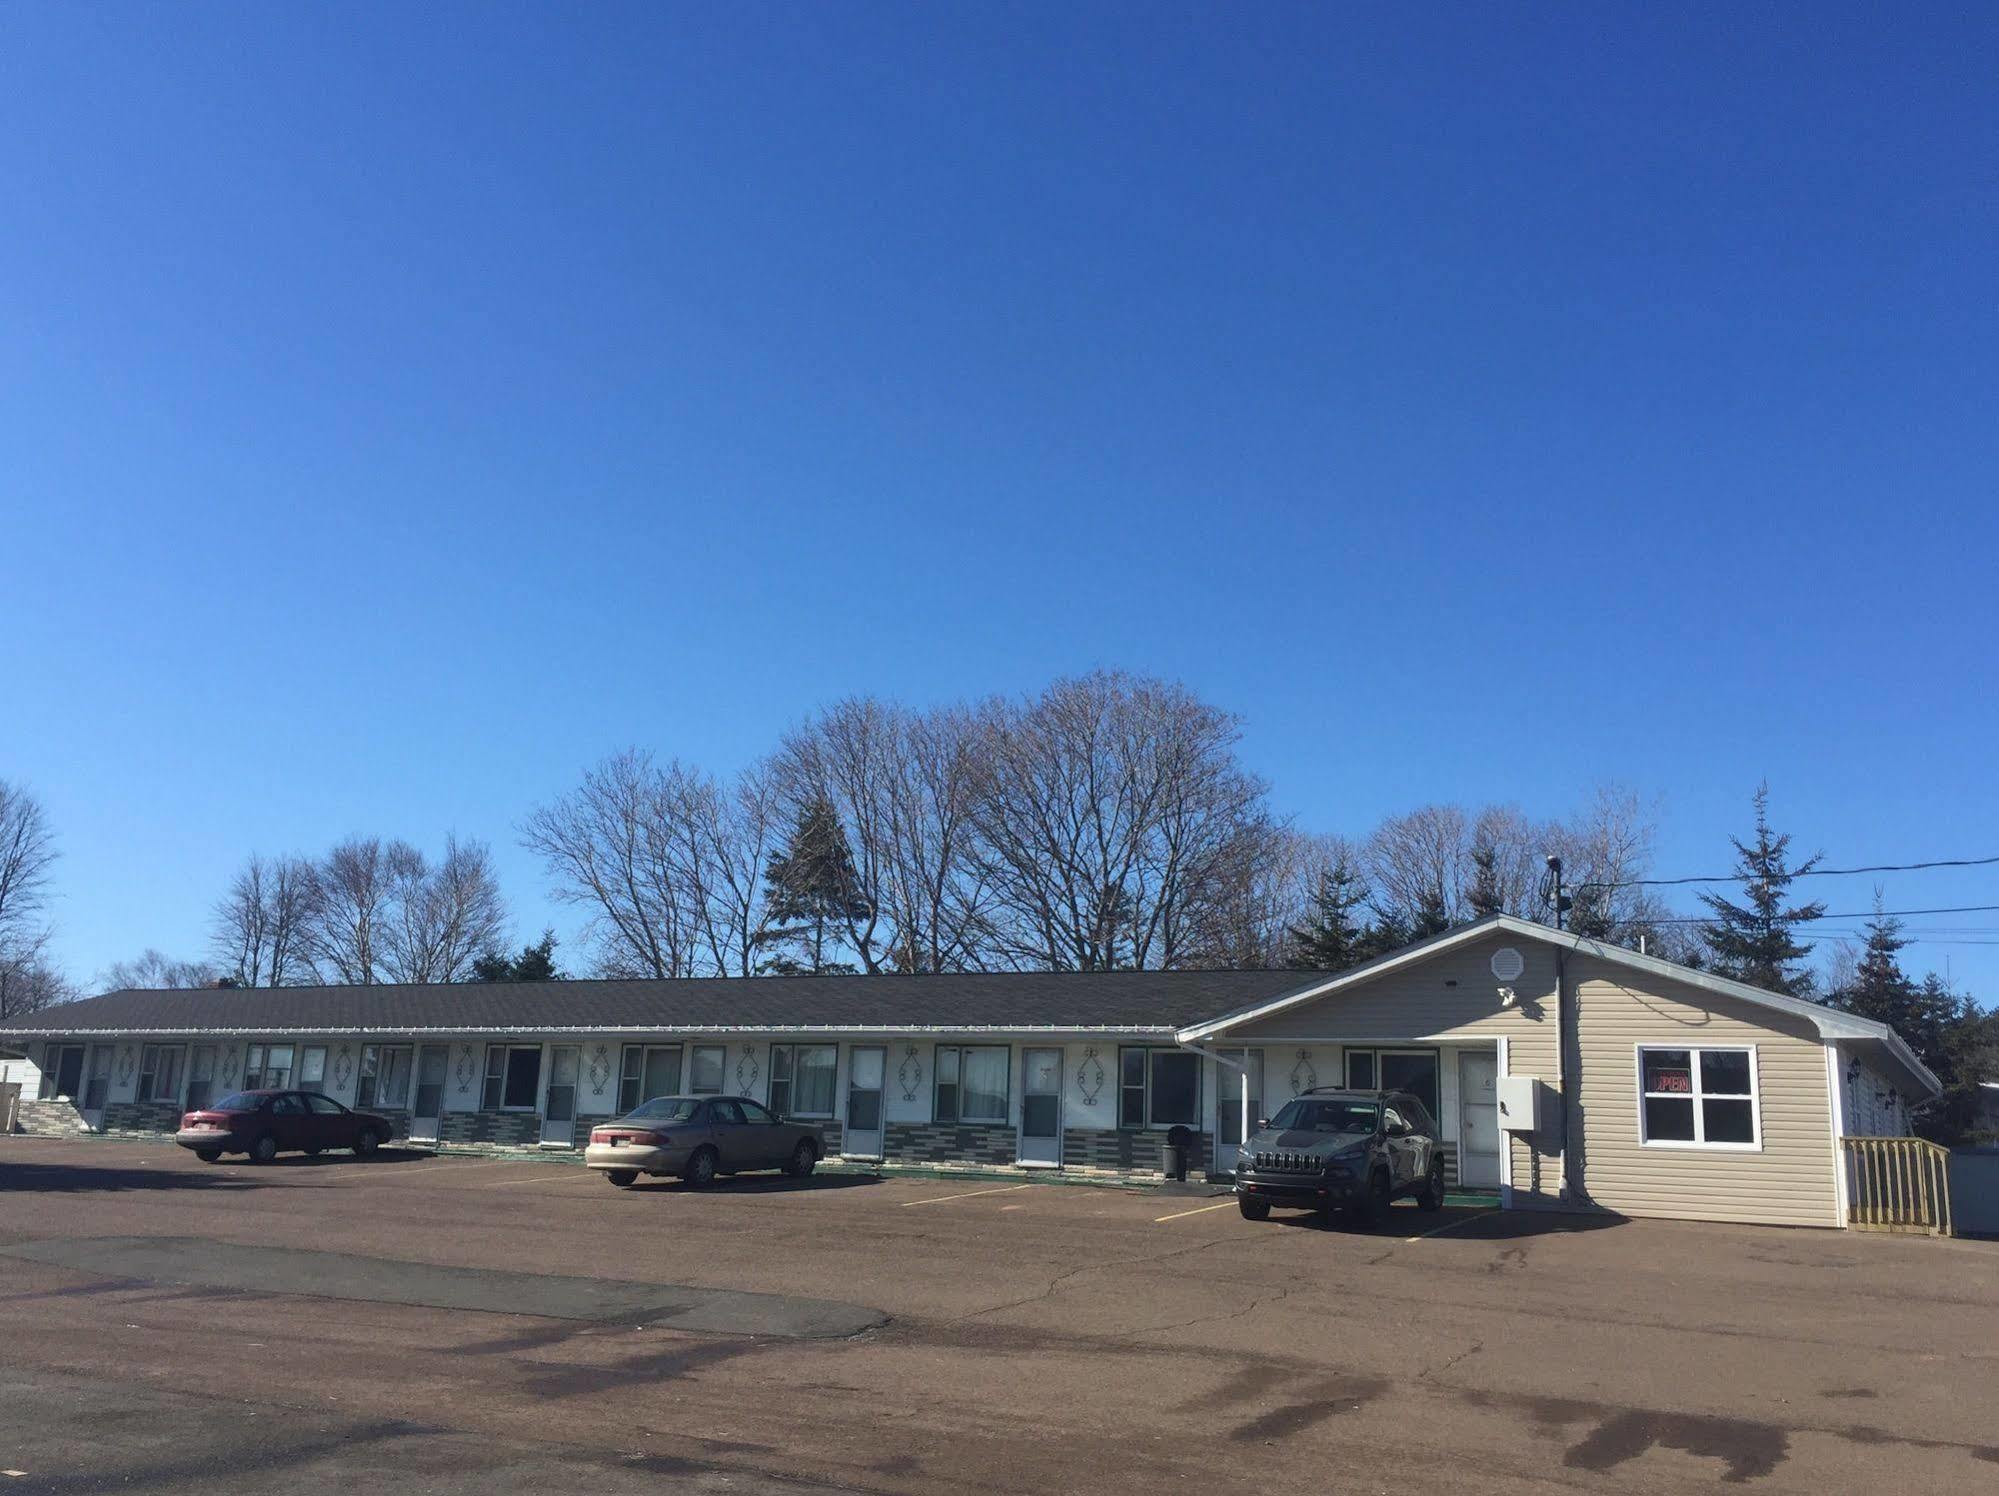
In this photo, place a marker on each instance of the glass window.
(160, 1072)
(1131, 1088)
(1413, 1070)
(324, 1106)
(780, 1079)
(385, 1076)
(650, 1070)
(523, 1077)
(1159, 1088)
(726, 1112)
(664, 1109)
(947, 1083)
(268, 1067)
(291, 1104)
(1698, 1098)
(312, 1068)
(240, 1101)
(755, 1115)
(983, 1088)
(972, 1082)
(705, 1068)
(1314, 1114)
(813, 1082)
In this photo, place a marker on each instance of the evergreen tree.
(1431, 917)
(1754, 942)
(535, 963)
(1332, 937)
(812, 889)
(1485, 896)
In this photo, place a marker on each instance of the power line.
(1814, 872)
(1871, 914)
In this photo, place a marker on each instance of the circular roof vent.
(1507, 964)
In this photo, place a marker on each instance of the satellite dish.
(1507, 963)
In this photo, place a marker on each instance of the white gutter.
(413, 1031)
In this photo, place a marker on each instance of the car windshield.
(664, 1109)
(242, 1101)
(1308, 1115)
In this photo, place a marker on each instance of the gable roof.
(1147, 1002)
(1829, 1022)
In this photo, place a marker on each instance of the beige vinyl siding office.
(1690, 1096)
(1787, 1177)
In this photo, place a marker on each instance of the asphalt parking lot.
(446, 1324)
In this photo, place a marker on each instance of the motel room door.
(97, 1084)
(433, 1062)
(558, 1116)
(867, 1073)
(1478, 1119)
(1041, 1106)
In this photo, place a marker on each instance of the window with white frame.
(972, 1082)
(650, 1071)
(1698, 1098)
(312, 1068)
(705, 1065)
(385, 1076)
(268, 1067)
(801, 1079)
(513, 1078)
(1159, 1088)
(160, 1072)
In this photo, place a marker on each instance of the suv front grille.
(1285, 1161)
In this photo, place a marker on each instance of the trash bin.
(1173, 1158)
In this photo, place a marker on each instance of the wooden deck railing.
(1897, 1184)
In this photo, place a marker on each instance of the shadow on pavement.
(1464, 1223)
(83, 1178)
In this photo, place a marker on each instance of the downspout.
(1239, 1065)
(1565, 1020)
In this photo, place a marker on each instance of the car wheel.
(804, 1158)
(1432, 1196)
(701, 1168)
(264, 1149)
(1253, 1210)
(366, 1142)
(208, 1155)
(624, 1179)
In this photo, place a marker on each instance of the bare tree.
(903, 785)
(352, 887)
(1419, 861)
(263, 925)
(438, 920)
(1112, 816)
(27, 853)
(154, 969)
(669, 863)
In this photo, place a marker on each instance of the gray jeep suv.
(1342, 1150)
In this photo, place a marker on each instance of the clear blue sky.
(403, 406)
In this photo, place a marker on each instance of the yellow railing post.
(1897, 1184)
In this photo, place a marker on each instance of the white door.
(558, 1113)
(433, 1061)
(1228, 1104)
(1041, 1106)
(97, 1085)
(1478, 1120)
(867, 1065)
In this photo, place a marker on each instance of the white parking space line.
(1005, 1189)
(1448, 1226)
(1180, 1215)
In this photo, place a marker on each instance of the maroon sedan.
(264, 1124)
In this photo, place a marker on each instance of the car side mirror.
(1262, 1123)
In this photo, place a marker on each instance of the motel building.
(1564, 1074)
